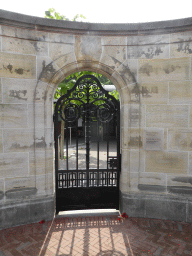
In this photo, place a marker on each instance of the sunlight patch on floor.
(93, 211)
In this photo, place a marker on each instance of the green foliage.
(52, 14)
(70, 81)
(115, 94)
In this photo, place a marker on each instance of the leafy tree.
(52, 14)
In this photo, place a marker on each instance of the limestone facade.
(150, 65)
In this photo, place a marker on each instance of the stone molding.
(32, 22)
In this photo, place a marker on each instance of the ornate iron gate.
(87, 175)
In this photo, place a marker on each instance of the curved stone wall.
(150, 65)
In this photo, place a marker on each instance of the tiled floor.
(101, 235)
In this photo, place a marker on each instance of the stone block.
(134, 207)
(135, 138)
(41, 93)
(19, 91)
(20, 193)
(49, 139)
(151, 206)
(133, 181)
(59, 50)
(46, 68)
(26, 212)
(124, 180)
(113, 56)
(17, 66)
(41, 162)
(164, 70)
(180, 44)
(2, 184)
(125, 161)
(43, 209)
(152, 93)
(13, 115)
(22, 140)
(18, 140)
(180, 92)
(137, 161)
(124, 95)
(166, 162)
(111, 40)
(160, 39)
(16, 215)
(124, 125)
(180, 139)
(154, 182)
(190, 116)
(61, 38)
(166, 209)
(88, 48)
(16, 45)
(43, 117)
(153, 139)
(128, 180)
(128, 71)
(190, 163)
(16, 165)
(136, 118)
(16, 32)
(1, 141)
(37, 119)
(189, 212)
(167, 116)
(179, 180)
(160, 51)
(20, 183)
(65, 59)
(1, 95)
(44, 184)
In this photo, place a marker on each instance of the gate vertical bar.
(56, 153)
(87, 132)
(76, 127)
(97, 152)
(107, 134)
(98, 144)
(67, 145)
(118, 148)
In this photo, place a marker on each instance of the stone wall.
(150, 65)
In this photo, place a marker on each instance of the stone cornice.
(104, 29)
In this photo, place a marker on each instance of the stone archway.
(49, 85)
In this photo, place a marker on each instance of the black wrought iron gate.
(87, 167)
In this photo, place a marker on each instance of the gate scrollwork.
(87, 95)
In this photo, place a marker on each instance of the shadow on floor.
(98, 235)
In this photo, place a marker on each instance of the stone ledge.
(26, 212)
(32, 22)
(166, 207)
(20, 192)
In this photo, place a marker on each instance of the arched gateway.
(150, 65)
(88, 177)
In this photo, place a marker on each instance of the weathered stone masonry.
(150, 65)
